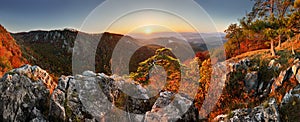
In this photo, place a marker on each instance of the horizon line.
(69, 28)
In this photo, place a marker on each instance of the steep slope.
(10, 53)
(53, 50)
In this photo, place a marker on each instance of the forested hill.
(267, 25)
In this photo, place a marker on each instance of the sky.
(27, 15)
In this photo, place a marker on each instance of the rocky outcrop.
(284, 76)
(242, 64)
(172, 107)
(269, 110)
(273, 64)
(290, 105)
(266, 112)
(36, 73)
(251, 81)
(26, 96)
(296, 72)
(291, 95)
(22, 98)
(96, 97)
(86, 97)
(287, 74)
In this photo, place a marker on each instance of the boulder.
(171, 107)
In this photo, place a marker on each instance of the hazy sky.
(26, 15)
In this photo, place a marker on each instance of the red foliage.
(10, 52)
(202, 55)
(246, 46)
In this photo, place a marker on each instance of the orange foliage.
(202, 55)
(10, 52)
(246, 46)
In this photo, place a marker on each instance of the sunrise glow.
(148, 31)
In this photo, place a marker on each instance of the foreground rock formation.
(29, 93)
(266, 112)
(279, 96)
(86, 97)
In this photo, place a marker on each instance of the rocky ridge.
(86, 97)
(29, 93)
(272, 109)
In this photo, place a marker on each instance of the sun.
(148, 31)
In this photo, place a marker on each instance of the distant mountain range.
(53, 49)
(198, 41)
(188, 36)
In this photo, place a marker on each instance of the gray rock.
(57, 109)
(292, 94)
(283, 76)
(271, 64)
(295, 69)
(297, 76)
(274, 65)
(266, 112)
(36, 73)
(23, 99)
(245, 62)
(89, 73)
(251, 81)
(268, 89)
(92, 97)
(289, 105)
(171, 107)
(88, 97)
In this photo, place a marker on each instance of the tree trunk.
(239, 48)
(293, 51)
(239, 45)
(271, 2)
(279, 41)
(272, 48)
(271, 7)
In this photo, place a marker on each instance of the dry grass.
(295, 43)
(265, 52)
